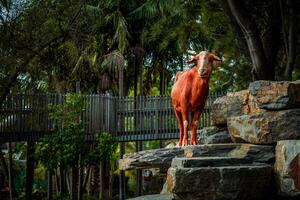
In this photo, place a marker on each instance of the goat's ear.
(215, 60)
(192, 59)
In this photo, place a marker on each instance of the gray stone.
(265, 128)
(155, 197)
(233, 104)
(230, 182)
(209, 162)
(287, 167)
(256, 153)
(213, 135)
(161, 158)
(156, 158)
(276, 95)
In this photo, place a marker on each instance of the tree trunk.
(111, 181)
(86, 178)
(122, 191)
(236, 29)
(50, 184)
(271, 32)
(101, 182)
(10, 173)
(162, 79)
(74, 187)
(3, 164)
(29, 170)
(80, 182)
(63, 180)
(261, 68)
(139, 177)
(292, 43)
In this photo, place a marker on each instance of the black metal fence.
(26, 117)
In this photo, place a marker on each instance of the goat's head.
(205, 62)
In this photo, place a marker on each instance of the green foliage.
(64, 145)
(105, 146)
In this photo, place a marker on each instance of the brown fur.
(190, 92)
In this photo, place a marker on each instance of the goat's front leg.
(180, 126)
(194, 125)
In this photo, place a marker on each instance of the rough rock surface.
(162, 158)
(276, 95)
(287, 167)
(265, 128)
(226, 183)
(155, 197)
(256, 153)
(233, 104)
(213, 135)
(210, 162)
(156, 158)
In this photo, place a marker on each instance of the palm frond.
(113, 62)
(148, 10)
(121, 34)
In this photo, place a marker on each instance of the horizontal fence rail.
(26, 117)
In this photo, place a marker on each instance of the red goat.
(189, 93)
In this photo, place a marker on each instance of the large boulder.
(227, 183)
(213, 135)
(287, 167)
(265, 128)
(162, 158)
(233, 104)
(276, 95)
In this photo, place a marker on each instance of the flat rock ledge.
(162, 158)
(155, 197)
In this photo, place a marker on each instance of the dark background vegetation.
(137, 46)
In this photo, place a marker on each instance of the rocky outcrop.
(287, 167)
(162, 158)
(254, 120)
(213, 135)
(229, 182)
(276, 95)
(265, 128)
(229, 105)
(233, 104)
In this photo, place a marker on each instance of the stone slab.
(226, 183)
(162, 158)
(265, 128)
(210, 162)
(276, 95)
